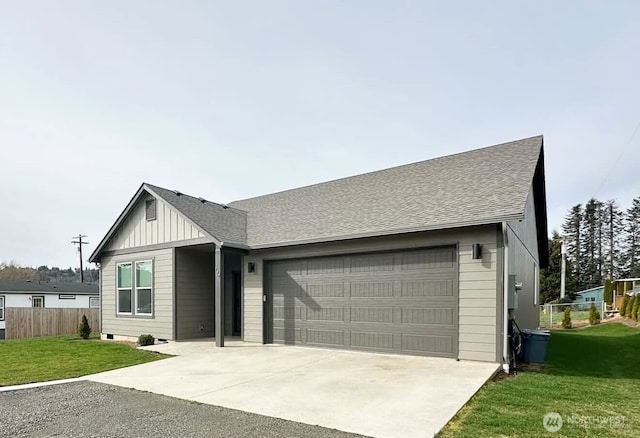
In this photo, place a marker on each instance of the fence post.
(550, 316)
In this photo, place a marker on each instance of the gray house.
(414, 259)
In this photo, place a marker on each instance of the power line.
(79, 242)
(620, 155)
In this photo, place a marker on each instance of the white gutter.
(505, 298)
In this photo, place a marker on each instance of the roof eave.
(496, 220)
(95, 255)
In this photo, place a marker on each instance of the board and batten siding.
(478, 285)
(524, 263)
(169, 226)
(160, 325)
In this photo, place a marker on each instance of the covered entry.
(402, 302)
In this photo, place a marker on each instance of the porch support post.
(219, 296)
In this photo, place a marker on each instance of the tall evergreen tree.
(613, 229)
(572, 232)
(591, 244)
(632, 240)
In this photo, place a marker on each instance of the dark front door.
(237, 302)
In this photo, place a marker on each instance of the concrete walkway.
(366, 393)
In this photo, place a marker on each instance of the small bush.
(594, 315)
(566, 318)
(629, 310)
(83, 328)
(623, 305)
(146, 340)
(635, 307)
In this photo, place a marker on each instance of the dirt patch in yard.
(622, 320)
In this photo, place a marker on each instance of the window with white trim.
(135, 288)
(1, 308)
(37, 301)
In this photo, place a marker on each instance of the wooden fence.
(29, 322)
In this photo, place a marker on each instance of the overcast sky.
(232, 99)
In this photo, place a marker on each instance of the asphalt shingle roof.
(480, 186)
(222, 222)
(57, 287)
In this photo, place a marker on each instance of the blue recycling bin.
(534, 345)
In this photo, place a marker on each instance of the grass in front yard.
(592, 374)
(62, 357)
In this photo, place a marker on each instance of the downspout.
(99, 265)
(505, 298)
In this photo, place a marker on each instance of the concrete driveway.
(371, 394)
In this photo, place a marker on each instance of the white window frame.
(2, 307)
(134, 290)
(118, 289)
(93, 299)
(34, 298)
(137, 289)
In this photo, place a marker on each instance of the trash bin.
(534, 345)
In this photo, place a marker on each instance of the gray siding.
(161, 324)
(194, 296)
(524, 263)
(252, 322)
(477, 281)
(169, 226)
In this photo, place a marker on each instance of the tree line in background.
(602, 242)
(13, 271)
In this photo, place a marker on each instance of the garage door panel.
(325, 266)
(372, 314)
(372, 263)
(370, 289)
(326, 314)
(428, 344)
(439, 316)
(428, 259)
(326, 290)
(368, 340)
(428, 288)
(286, 269)
(325, 337)
(288, 335)
(402, 302)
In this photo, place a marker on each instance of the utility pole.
(563, 268)
(611, 240)
(78, 241)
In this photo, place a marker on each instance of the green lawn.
(62, 357)
(576, 315)
(592, 374)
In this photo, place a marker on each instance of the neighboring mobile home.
(25, 293)
(414, 259)
(595, 294)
